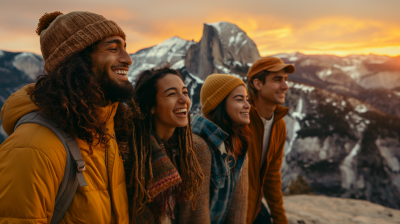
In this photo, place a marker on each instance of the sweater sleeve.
(272, 184)
(28, 186)
(237, 213)
(201, 214)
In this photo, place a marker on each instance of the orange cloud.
(275, 32)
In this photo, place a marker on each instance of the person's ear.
(257, 84)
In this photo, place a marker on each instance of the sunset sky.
(339, 27)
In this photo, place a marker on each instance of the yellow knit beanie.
(215, 89)
(64, 35)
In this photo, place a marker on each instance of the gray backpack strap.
(73, 168)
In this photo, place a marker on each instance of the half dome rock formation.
(223, 48)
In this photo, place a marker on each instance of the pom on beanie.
(45, 21)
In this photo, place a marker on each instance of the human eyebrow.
(172, 88)
(238, 96)
(278, 77)
(115, 41)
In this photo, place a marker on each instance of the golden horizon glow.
(273, 33)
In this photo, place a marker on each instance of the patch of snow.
(296, 128)
(397, 93)
(237, 63)
(351, 70)
(343, 103)
(250, 64)
(132, 74)
(1, 53)
(231, 40)
(361, 108)
(324, 73)
(223, 69)
(293, 58)
(302, 87)
(361, 127)
(179, 64)
(346, 168)
(385, 152)
(216, 25)
(298, 113)
(197, 79)
(361, 182)
(283, 55)
(29, 64)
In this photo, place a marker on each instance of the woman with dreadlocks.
(162, 167)
(224, 127)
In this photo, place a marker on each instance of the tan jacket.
(32, 164)
(266, 181)
(201, 215)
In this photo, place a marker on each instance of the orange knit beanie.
(64, 35)
(215, 89)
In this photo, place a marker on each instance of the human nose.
(285, 85)
(184, 99)
(246, 104)
(125, 58)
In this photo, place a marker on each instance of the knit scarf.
(166, 188)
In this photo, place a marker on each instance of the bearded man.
(84, 90)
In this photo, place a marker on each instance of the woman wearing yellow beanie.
(224, 132)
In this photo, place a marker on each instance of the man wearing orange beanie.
(266, 88)
(85, 92)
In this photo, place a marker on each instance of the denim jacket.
(225, 170)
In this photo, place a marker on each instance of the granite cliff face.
(341, 146)
(223, 48)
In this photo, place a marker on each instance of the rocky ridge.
(313, 209)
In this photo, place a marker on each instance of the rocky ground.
(315, 209)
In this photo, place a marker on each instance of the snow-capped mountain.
(371, 78)
(171, 51)
(342, 135)
(16, 70)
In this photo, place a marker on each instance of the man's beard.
(115, 91)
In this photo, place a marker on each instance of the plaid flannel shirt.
(224, 169)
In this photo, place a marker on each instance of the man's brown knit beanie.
(215, 89)
(64, 35)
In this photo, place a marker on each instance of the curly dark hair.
(72, 96)
(141, 174)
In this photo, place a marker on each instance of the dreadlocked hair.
(139, 171)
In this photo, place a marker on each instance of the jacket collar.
(108, 112)
(209, 131)
(279, 113)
